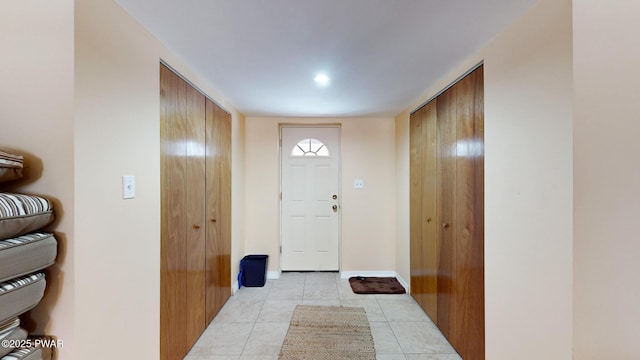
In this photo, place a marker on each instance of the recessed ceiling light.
(321, 80)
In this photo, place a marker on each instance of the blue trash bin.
(253, 270)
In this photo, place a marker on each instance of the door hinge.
(280, 249)
(280, 195)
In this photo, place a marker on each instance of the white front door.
(310, 206)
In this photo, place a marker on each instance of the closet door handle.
(428, 219)
(213, 220)
(196, 226)
(445, 225)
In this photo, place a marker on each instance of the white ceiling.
(381, 55)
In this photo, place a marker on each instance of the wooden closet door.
(468, 307)
(429, 229)
(446, 209)
(183, 221)
(447, 180)
(218, 239)
(424, 244)
(195, 231)
(173, 165)
(224, 247)
(418, 266)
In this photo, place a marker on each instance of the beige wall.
(86, 113)
(528, 185)
(36, 113)
(532, 304)
(368, 215)
(117, 133)
(607, 179)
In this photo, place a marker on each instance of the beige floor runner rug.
(328, 333)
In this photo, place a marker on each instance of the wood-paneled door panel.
(224, 178)
(418, 267)
(195, 278)
(195, 231)
(446, 207)
(468, 336)
(431, 248)
(173, 164)
(447, 148)
(218, 249)
(424, 245)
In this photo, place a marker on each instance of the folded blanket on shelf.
(21, 214)
(20, 295)
(30, 353)
(26, 254)
(13, 334)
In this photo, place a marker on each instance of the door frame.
(280, 167)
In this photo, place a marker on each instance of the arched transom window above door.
(310, 147)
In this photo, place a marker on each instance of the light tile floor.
(254, 322)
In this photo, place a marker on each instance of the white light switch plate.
(128, 187)
(358, 184)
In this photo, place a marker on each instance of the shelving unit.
(25, 250)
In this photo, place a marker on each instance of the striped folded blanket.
(19, 282)
(20, 214)
(9, 326)
(24, 239)
(32, 353)
(17, 205)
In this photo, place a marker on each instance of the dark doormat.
(375, 285)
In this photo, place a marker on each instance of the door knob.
(196, 227)
(335, 208)
(213, 220)
(445, 225)
(428, 219)
(334, 197)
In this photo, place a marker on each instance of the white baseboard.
(274, 275)
(271, 275)
(348, 274)
(404, 284)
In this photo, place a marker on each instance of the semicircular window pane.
(310, 147)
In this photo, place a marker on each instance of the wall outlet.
(358, 184)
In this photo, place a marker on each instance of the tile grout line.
(253, 326)
(395, 336)
(320, 282)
